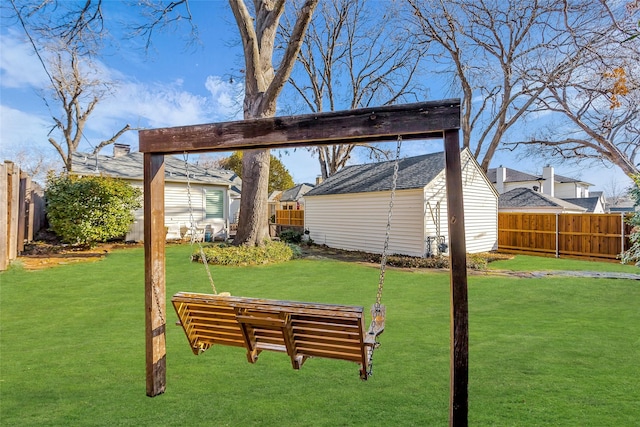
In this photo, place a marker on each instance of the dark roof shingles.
(413, 172)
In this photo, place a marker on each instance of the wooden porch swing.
(300, 329)
(289, 327)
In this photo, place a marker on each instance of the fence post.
(4, 215)
(22, 212)
(13, 188)
(557, 235)
(621, 232)
(30, 206)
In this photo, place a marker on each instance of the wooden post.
(4, 218)
(13, 184)
(458, 402)
(622, 237)
(154, 272)
(31, 210)
(22, 212)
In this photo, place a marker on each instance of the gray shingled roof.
(130, 166)
(527, 198)
(295, 193)
(413, 172)
(589, 203)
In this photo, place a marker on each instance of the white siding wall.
(571, 190)
(358, 221)
(480, 207)
(176, 202)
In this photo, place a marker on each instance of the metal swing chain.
(383, 261)
(192, 228)
(385, 248)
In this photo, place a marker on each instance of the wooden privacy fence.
(602, 236)
(22, 210)
(290, 217)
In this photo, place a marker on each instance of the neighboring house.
(214, 193)
(621, 204)
(293, 198)
(549, 183)
(350, 209)
(274, 202)
(529, 200)
(591, 204)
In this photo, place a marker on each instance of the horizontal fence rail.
(290, 217)
(599, 236)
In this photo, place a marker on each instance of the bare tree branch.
(355, 54)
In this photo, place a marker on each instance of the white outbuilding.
(350, 209)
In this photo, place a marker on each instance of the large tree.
(509, 59)
(263, 84)
(592, 90)
(356, 53)
(264, 78)
(483, 48)
(66, 38)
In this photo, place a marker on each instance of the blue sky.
(175, 84)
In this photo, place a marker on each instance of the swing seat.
(301, 330)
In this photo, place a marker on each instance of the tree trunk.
(253, 226)
(263, 84)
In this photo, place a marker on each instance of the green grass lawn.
(535, 263)
(547, 351)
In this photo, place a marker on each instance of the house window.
(214, 204)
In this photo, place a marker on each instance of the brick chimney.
(318, 179)
(120, 150)
(548, 186)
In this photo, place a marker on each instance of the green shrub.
(270, 252)
(90, 209)
(296, 251)
(477, 261)
(633, 253)
(291, 236)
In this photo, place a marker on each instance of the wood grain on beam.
(458, 403)
(412, 121)
(154, 270)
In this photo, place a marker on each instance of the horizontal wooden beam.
(412, 121)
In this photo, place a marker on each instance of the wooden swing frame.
(424, 120)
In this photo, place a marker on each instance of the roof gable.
(295, 193)
(527, 198)
(589, 203)
(413, 172)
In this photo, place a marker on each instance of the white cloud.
(19, 66)
(18, 128)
